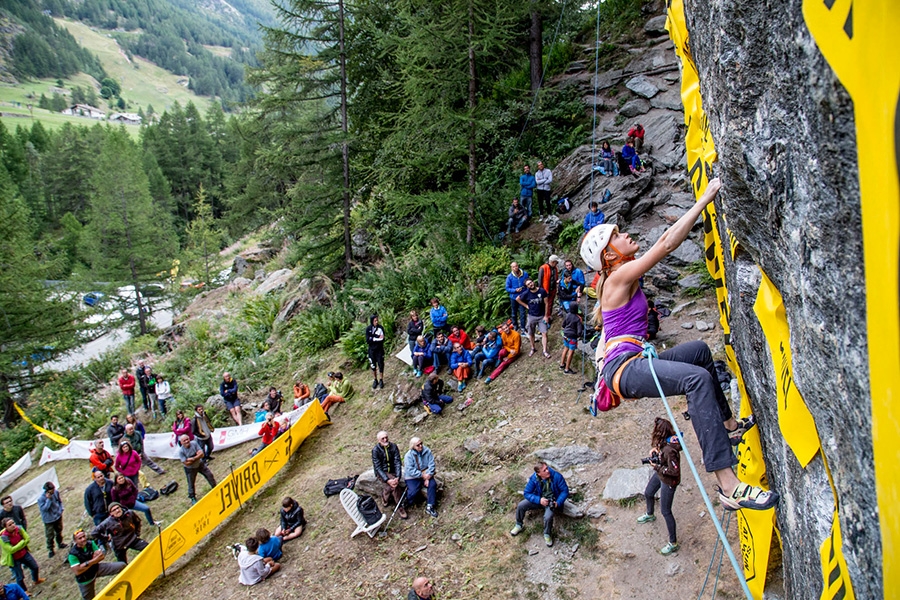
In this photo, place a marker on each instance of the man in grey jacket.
(418, 470)
(51, 507)
(543, 177)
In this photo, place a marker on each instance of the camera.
(651, 460)
(331, 373)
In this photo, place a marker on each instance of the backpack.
(320, 392)
(334, 486)
(169, 488)
(563, 205)
(368, 509)
(148, 494)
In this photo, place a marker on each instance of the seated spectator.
(128, 462)
(292, 520)
(302, 394)
(254, 568)
(338, 391)
(283, 425)
(126, 493)
(512, 342)
(115, 431)
(461, 365)
(518, 215)
(441, 348)
(546, 491)
(594, 216)
(421, 356)
(458, 336)
(568, 292)
(268, 431)
(438, 316)
(480, 336)
(637, 132)
(607, 165)
(414, 329)
(631, 155)
(269, 545)
(265, 409)
(182, 425)
(100, 458)
(487, 356)
(275, 399)
(433, 396)
(573, 330)
(418, 470)
(387, 465)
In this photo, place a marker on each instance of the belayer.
(685, 369)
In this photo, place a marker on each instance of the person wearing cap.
(86, 560)
(547, 278)
(686, 369)
(375, 343)
(543, 177)
(594, 216)
(527, 184)
(637, 132)
(51, 507)
(123, 530)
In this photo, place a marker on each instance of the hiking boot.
(374, 384)
(381, 384)
(645, 518)
(669, 548)
(418, 374)
(516, 530)
(488, 380)
(39, 581)
(402, 512)
(743, 426)
(459, 386)
(748, 496)
(51, 554)
(548, 540)
(430, 510)
(62, 545)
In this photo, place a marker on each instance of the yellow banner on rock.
(216, 506)
(835, 577)
(53, 436)
(861, 42)
(794, 419)
(756, 527)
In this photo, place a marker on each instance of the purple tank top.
(630, 319)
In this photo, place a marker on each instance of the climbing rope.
(650, 353)
(596, 89)
(726, 516)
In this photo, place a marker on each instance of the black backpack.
(320, 392)
(368, 509)
(148, 494)
(169, 488)
(334, 486)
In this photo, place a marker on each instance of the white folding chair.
(349, 499)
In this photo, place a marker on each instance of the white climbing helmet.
(595, 242)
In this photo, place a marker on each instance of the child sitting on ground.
(254, 568)
(269, 545)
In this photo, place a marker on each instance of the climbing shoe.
(743, 426)
(645, 518)
(748, 496)
(669, 549)
(548, 540)
(516, 530)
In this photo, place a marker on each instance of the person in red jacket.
(268, 431)
(126, 384)
(101, 459)
(458, 336)
(637, 132)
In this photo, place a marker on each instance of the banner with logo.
(212, 509)
(27, 495)
(15, 471)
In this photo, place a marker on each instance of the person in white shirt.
(163, 393)
(543, 177)
(254, 568)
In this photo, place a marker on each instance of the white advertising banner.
(15, 471)
(405, 355)
(27, 495)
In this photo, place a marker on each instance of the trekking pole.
(162, 554)
(388, 524)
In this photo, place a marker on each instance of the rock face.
(802, 226)
(274, 282)
(626, 483)
(568, 456)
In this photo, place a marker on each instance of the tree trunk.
(470, 227)
(536, 48)
(134, 276)
(345, 150)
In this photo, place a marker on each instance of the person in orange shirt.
(512, 341)
(301, 394)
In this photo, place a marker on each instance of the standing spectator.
(573, 330)
(301, 394)
(418, 469)
(136, 439)
(414, 329)
(609, 166)
(568, 293)
(543, 177)
(115, 431)
(51, 507)
(388, 468)
(515, 285)
(97, 496)
(441, 348)
(666, 460)
(535, 300)
(268, 431)
(512, 343)
(438, 316)
(433, 396)
(517, 215)
(128, 461)
(594, 216)
(123, 530)
(13, 511)
(292, 521)
(461, 365)
(228, 389)
(275, 398)
(100, 458)
(191, 456)
(86, 560)
(254, 568)
(203, 431)
(422, 589)
(577, 276)
(182, 425)
(375, 343)
(338, 391)
(150, 384)
(140, 376)
(548, 277)
(126, 493)
(138, 425)
(126, 384)
(163, 394)
(527, 185)
(631, 155)
(421, 356)
(546, 490)
(486, 358)
(637, 132)
(15, 555)
(269, 545)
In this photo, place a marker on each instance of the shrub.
(486, 260)
(353, 344)
(570, 235)
(319, 327)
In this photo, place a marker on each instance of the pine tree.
(203, 240)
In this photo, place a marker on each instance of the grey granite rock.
(635, 107)
(563, 457)
(626, 483)
(642, 86)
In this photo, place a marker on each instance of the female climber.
(685, 369)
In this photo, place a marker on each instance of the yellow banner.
(835, 578)
(53, 436)
(861, 42)
(755, 527)
(794, 419)
(211, 510)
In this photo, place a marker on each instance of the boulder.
(275, 282)
(563, 457)
(259, 254)
(656, 26)
(642, 86)
(668, 100)
(367, 483)
(627, 483)
(691, 282)
(635, 107)
(685, 254)
(573, 510)
(239, 266)
(663, 277)
(215, 402)
(239, 283)
(607, 79)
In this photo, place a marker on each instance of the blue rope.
(596, 85)
(726, 516)
(650, 354)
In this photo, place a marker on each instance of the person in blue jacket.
(546, 490)
(515, 285)
(527, 183)
(461, 365)
(631, 155)
(421, 356)
(577, 276)
(441, 348)
(418, 471)
(594, 216)
(12, 591)
(486, 357)
(439, 316)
